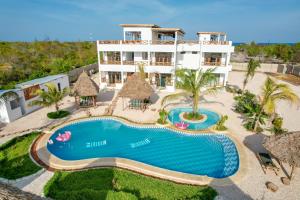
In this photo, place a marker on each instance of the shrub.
(244, 101)
(233, 89)
(192, 116)
(58, 114)
(220, 124)
(277, 126)
(163, 115)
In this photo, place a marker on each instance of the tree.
(193, 82)
(273, 92)
(51, 97)
(251, 68)
(142, 72)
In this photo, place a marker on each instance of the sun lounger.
(266, 162)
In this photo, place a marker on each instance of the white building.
(15, 108)
(161, 51)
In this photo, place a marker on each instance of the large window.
(14, 104)
(31, 92)
(133, 35)
(114, 77)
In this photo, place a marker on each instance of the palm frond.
(171, 97)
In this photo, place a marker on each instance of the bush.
(244, 101)
(163, 115)
(192, 116)
(233, 89)
(277, 126)
(220, 124)
(57, 115)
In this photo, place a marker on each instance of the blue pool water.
(214, 155)
(212, 118)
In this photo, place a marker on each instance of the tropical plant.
(163, 115)
(251, 68)
(193, 82)
(51, 97)
(142, 72)
(244, 101)
(254, 115)
(273, 92)
(220, 126)
(277, 125)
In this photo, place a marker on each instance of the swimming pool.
(212, 118)
(214, 155)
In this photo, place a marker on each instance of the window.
(183, 52)
(134, 35)
(194, 52)
(14, 104)
(31, 92)
(145, 55)
(58, 86)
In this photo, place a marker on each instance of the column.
(99, 69)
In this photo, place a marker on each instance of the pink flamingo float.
(182, 125)
(64, 137)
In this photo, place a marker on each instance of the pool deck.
(43, 156)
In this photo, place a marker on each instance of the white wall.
(6, 113)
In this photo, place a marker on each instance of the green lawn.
(112, 183)
(14, 157)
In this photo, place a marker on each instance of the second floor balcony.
(162, 42)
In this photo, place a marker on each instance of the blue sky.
(243, 20)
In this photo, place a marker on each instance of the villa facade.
(161, 51)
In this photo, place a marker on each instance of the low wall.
(264, 67)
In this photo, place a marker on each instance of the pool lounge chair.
(266, 162)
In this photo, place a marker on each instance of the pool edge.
(41, 155)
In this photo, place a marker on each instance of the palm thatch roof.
(85, 86)
(136, 88)
(285, 147)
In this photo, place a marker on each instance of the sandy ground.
(252, 186)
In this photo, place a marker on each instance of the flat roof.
(222, 33)
(140, 25)
(40, 81)
(169, 30)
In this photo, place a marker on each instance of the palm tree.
(51, 97)
(273, 92)
(192, 82)
(251, 68)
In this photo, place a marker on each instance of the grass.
(57, 115)
(14, 157)
(112, 183)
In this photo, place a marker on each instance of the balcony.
(162, 42)
(110, 62)
(211, 63)
(215, 42)
(131, 62)
(161, 63)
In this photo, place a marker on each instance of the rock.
(285, 180)
(271, 186)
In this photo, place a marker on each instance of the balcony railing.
(110, 62)
(162, 42)
(161, 63)
(211, 63)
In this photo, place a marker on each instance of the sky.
(272, 21)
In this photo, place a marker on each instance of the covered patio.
(136, 93)
(85, 91)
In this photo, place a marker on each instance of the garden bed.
(58, 114)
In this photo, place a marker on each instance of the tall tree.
(194, 83)
(51, 97)
(273, 92)
(251, 68)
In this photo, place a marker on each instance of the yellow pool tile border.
(53, 162)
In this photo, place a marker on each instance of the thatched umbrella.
(285, 147)
(85, 87)
(136, 88)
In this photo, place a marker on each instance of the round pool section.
(212, 118)
(214, 155)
